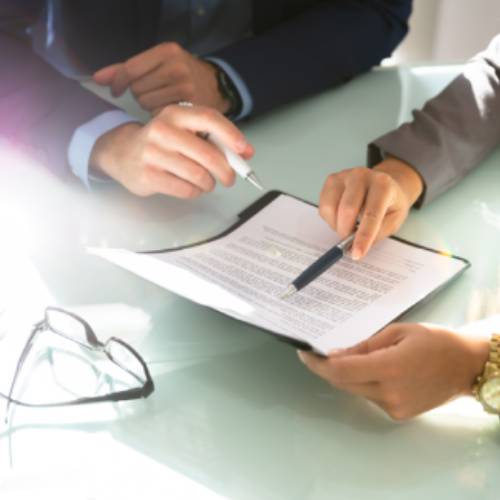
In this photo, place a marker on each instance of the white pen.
(239, 165)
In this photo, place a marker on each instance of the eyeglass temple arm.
(20, 363)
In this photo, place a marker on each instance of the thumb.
(388, 337)
(105, 76)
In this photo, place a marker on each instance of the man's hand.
(380, 197)
(164, 75)
(167, 156)
(405, 369)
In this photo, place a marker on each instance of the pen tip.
(291, 289)
(254, 180)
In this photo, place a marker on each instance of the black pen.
(319, 266)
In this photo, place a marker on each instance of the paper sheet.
(243, 274)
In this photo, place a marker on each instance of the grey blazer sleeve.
(454, 131)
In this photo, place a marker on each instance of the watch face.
(490, 394)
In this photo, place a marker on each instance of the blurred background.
(448, 31)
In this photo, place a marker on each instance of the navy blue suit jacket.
(299, 47)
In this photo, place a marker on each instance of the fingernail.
(300, 354)
(355, 254)
(243, 146)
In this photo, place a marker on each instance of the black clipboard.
(260, 204)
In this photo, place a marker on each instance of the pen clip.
(346, 243)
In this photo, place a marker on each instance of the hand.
(381, 197)
(405, 369)
(166, 156)
(163, 75)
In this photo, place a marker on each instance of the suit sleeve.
(324, 45)
(39, 108)
(454, 131)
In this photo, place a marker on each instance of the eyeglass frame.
(94, 344)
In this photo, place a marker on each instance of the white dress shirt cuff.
(83, 140)
(246, 97)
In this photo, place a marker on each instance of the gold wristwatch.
(486, 388)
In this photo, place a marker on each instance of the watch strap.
(494, 356)
(491, 366)
(228, 91)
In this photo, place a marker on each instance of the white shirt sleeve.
(83, 140)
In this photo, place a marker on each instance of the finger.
(201, 152)
(139, 68)
(156, 79)
(374, 211)
(318, 365)
(143, 64)
(329, 199)
(203, 119)
(169, 184)
(368, 390)
(120, 82)
(106, 75)
(350, 204)
(151, 59)
(371, 391)
(160, 98)
(387, 337)
(181, 167)
(249, 152)
(391, 223)
(350, 369)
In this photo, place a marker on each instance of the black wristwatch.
(228, 91)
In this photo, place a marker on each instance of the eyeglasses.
(75, 329)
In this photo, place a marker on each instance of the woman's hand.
(379, 198)
(406, 369)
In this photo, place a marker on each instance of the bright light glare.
(23, 292)
(131, 324)
(465, 411)
(104, 459)
(487, 215)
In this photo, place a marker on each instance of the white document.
(243, 273)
